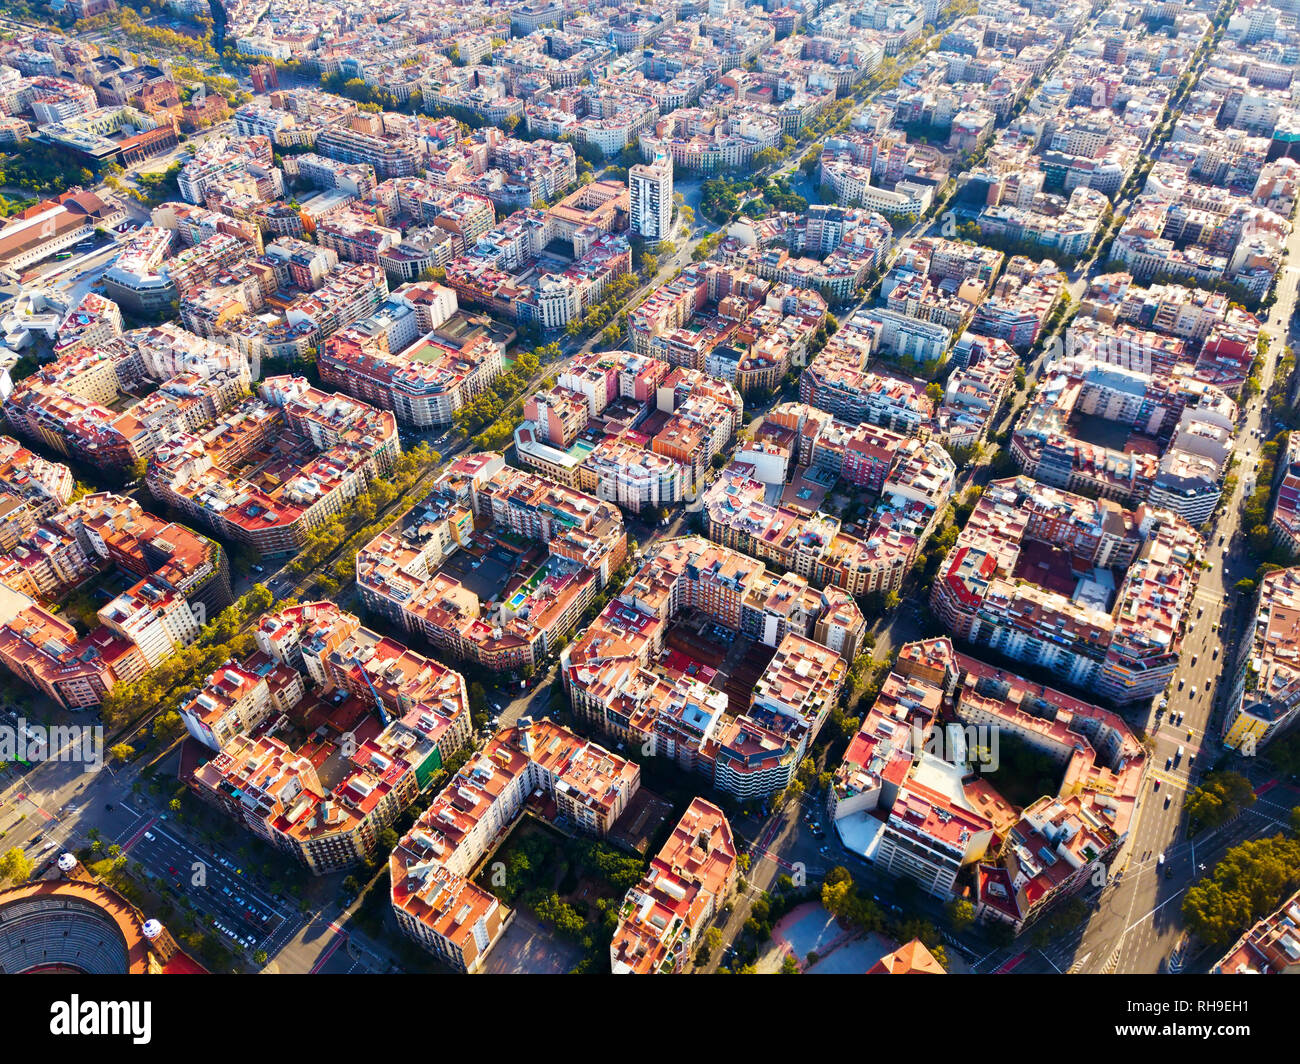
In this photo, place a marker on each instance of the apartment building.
(1265, 692)
(320, 799)
(1110, 620)
(420, 575)
(80, 406)
(329, 448)
(183, 579)
(621, 674)
(663, 918)
(536, 767)
(1271, 947)
(651, 188)
(910, 797)
(423, 383)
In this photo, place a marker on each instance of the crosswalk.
(282, 936)
(1169, 779)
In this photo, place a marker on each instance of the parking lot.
(217, 886)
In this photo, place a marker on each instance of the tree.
(838, 874)
(15, 866)
(121, 753)
(961, 914)
(1220, 796)
(1001, 935)
(1250, 881)
(168, 725)
(789, 966)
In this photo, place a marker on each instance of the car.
(108, 807)
(1164, 703)
(1169, 873)
(1200, 610)
(1155, 786)
(824, 850)
(257, 568)
(1214, 656)
(148, 836)
(1181, 750)
(226, 891)
(1168, 798)
(1194, 658)
(1160, 861)
(1169, 762)
(1192, 692)
(171, 869)
(1181, 681)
